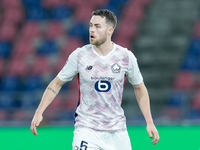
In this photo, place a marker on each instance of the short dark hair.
(110, 16)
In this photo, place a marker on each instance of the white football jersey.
(101, 82)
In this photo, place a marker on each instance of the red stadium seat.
(1, 66)
(184, 80)
(99, 3)
(41, 66)
(172, 112)
(125, 42)
(52, 3)
(72, 44)
(17, 67)
(54, 30)
(30, 30)
(195, 102)
(11, 3)
(20, 115)
(71, 100)
(23, 48)
(83, 13)
(7, 31)
(126, 30)
(13, 15)
(56, 103)
(72, 3)
(197, 29)
(60, 64)
(3, 115)
(133, 13)
(141, 2)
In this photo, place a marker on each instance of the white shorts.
(88, 139)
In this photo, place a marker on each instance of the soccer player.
(101, 67)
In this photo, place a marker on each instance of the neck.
(104, 49)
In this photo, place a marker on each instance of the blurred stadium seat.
(83, 13)
(33, 83)
(17, 67)
(184, 80)
(28, 101)
(52, 3)
(31, 3)
(9, 83)
(5, 48)
(71, 44)
(11, 3)
(13, 15)
(30, 30)
(36, 14)
(7, 31)
(178, 98)
(54, 30)
(6, 101)
(41, 66)
(48, 47)
(61, 12)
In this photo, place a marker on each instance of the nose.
(91, 29)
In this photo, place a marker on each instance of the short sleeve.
(133, 74)
(70, 69)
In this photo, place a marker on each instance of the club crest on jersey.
(89, 68)
(116, 68)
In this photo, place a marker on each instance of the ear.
(110, 31)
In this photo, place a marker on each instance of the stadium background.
(36, 37)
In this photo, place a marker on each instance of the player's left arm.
(144, 104)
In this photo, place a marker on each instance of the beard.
(100, 41)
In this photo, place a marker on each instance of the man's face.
(98, 30)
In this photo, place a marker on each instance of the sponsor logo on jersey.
(116, 68)
(103, 78)
(89, 68)
(102, 86)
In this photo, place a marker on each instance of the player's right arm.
(50, 93)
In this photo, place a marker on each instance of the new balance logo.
(89, 68)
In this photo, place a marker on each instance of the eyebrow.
(95, 24)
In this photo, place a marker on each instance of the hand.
(152, 131)
(35, 122)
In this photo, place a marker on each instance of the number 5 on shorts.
(83, 144)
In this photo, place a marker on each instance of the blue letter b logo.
(102, 86)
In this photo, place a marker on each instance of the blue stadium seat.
(48, 47)
(80, 30)
(114, 9)
(61, 12)
(178, 98)
(5, 49)
(28, 101)
(191, 63)
(9, 83)
(194, 47)
(31, 3)
(65, 87)
(64, 114)
(117, 3)
(194, 114)
(33, 83)
(6, 100)
(36, 13)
